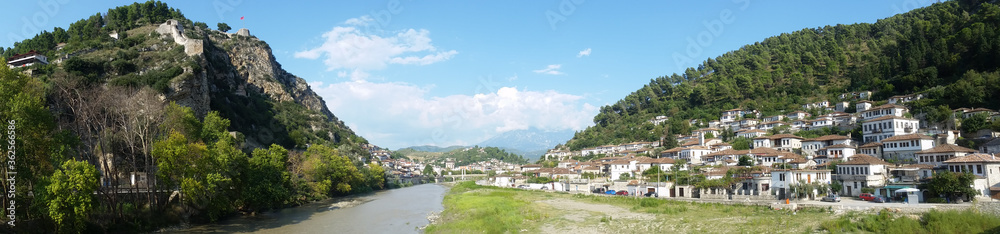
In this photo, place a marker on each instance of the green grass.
(965, 221)
(470, 207)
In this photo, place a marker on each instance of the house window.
(979, 169)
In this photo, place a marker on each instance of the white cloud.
(551, 70)
(360, 21)
(350, 48)
(583, 53)
(397, 114)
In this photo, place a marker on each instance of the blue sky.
(403, 73)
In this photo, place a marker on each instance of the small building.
(861, 171)
(27, 59)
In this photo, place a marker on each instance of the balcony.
(851, 177)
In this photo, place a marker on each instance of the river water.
(392, 211)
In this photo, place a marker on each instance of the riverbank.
(500, 210)
(401, 210)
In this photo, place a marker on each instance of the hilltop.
(946, 51)
(155, 119)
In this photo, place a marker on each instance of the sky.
(405, 73)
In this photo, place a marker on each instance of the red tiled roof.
(914, 136)
(888, 117)
(864, 159)
(947, 148)
(974, 158)
(828, 138)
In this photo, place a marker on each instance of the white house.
(872, 148)
(751, 133)
(861, 171)
(883, 110)
(900, 99)
(811, 146)
(905, 147)
(835, 153)
(786, 142)
(939, 154)
(863, 106)
(783, 180)
(818, 123)
(27, 59)
(620, 166)
(880, 128)
(658, 120)
(798, 115)
(694, 154)
(986, 167)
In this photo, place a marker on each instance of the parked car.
(653, 194)
(878, 200)
(622, 192)
(598, 190)
(831, 198)
(545, 187)
(522, 186)
(610, 192)
(866, 196)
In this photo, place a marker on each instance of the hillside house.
(27, 59)
(883, 110)
(782, 181)
(835, 153)
(862, 106)
(939, 154)
(861, 171)
(880, 128)
(785, 142)
(904, 148)
(872, 148)
(810, 146)
(798, 115)
(900, 99)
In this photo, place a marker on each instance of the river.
(401, 210)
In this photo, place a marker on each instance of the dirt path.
(581, 217)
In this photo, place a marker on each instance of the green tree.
(745, 161)
(269, 178)
(654, 174)
(975, 123)
(952, 185)
(71, 195)
(429, 170)
(741, 143)
(224, 27)
(836, 186)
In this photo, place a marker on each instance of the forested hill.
(144, 118)
(475, 154)
(948, 51)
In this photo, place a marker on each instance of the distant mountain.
(433, 149)
(532, 143)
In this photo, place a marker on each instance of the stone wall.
(988, 207)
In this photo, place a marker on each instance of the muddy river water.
(402, 210)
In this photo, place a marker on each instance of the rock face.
(243, 32)
(238, 76)
(173, 29)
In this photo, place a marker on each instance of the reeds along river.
(402, 210)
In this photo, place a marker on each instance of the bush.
(936, 200)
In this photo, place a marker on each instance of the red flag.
(241, 17)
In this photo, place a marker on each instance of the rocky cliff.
(238, 76)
